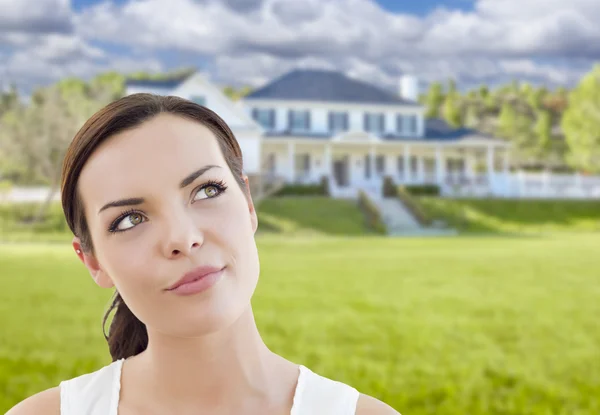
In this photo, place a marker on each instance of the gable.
(197, 88)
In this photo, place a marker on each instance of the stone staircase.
(400, 222)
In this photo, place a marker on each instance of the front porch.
(457, 169)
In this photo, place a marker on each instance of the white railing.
(547, 185)
(524, 185)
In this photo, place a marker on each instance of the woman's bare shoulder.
(43, 403)
(367, 405)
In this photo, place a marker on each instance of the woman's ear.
(99, 276)
(251, 209)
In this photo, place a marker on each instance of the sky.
(250, 42)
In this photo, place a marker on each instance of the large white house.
(310, 124)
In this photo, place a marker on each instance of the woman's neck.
(207, 372)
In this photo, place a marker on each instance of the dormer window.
(265, 117)
(299, 120)
(406, 124)
(199, 99)
(338, 121)
(374, 122)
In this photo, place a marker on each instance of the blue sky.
(551, 42)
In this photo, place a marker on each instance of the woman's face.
(178, 224)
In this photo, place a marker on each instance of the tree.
(581, 123)
(507, 121)
(433, 100)
(452, 111)
(37, 135)
(543, 131)
(472, 117)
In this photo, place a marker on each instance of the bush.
(20, 217)
(304, 190)
(415, 209)
(325, 185)
(389, 188)
(372, 214)
(422, 189)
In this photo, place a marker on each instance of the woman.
(154, 192)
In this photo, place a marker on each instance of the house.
(312, 124)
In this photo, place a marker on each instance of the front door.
(341, 172)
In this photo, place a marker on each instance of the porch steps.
(400, 222)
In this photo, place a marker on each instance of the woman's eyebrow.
(189, 179)
(139, 200)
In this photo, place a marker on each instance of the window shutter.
(307, 120)
(346, 122)
(381, 122)
(290, 115)
(330, 121)
(366, 122)
(399, 123)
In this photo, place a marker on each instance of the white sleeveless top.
(97, 393)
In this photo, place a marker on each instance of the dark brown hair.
(127, 335)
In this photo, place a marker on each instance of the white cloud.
(35, 16)
(252, 41)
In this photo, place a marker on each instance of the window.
(400, 164)
(380, 164)
(199, 99)
(299, 120)
(302, 164)
(272, 160)
(412, 124)
(265, 117)
(368, 166)
(406, 124)
(338, 121)
(374, 122)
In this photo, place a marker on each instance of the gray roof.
(325, 86)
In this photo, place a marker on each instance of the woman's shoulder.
(42, 403)
(317, 392)
(367, 405)
(73, 393)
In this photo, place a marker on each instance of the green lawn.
(467, 325)
(514, 216)
(288, 216)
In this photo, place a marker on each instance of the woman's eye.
(133, 218)
(208, 192)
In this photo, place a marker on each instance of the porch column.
(470, 166)
(327, 161)
(506, 164)
(406, 176)
(490, 164)
(291, 161)
(440, 165)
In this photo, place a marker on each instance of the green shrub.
(415, 208)
(389, 188)
(5, 186)
(422, 189)
(372, 214)
(320, 189)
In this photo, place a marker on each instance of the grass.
(288, 216)
(313, 215)
(514, 216)
(467, 325)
